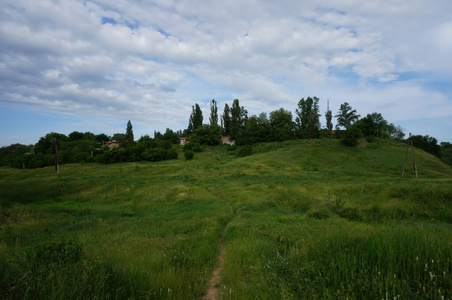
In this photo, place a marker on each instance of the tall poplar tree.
(129, 132)
(239, 116)
(213, 113)
(195, 120)
(226, 120)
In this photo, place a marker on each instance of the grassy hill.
(307, 219)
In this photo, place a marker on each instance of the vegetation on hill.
(299, 219)
(279, 126)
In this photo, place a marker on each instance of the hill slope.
(298, 219)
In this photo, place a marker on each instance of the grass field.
(306, 219)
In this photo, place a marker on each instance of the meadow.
(305, 219)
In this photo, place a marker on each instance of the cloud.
(150, 61)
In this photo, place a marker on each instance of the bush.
(326, 134)
(246, 150)
(370, 139)
(193, 146)
(351, 136)
(189, 154)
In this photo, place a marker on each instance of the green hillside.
(305, 219)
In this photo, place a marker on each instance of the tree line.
(281, 125)
(79, 147)
(234, 122)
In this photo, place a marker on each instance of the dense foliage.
(242, 129)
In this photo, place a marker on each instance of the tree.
(118, 137)
(346, 116)
(351, 136)
(427, 143)
(213, 113)
(446, 152)
(329, 117)
(129, 132)
(395, 132)
(226, 120)
(207, 135)
(75, 136)
(239, 116)
(307, 120)
(372, 125)
(257, 130)
(281, 125)
(101, 138)
(171, 136)
(195, 120)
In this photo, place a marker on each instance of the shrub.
(326, 134)
(246, 150)
(370, 139)
(189, 154)
(193, 146)
(351, 136)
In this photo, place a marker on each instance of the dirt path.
(213, 292)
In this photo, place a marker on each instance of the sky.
(93, 65)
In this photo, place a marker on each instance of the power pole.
(408, 144)
(57, 166)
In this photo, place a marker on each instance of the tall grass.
(299, 219)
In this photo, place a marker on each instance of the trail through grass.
(307, 219)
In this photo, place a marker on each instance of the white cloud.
(154, 59)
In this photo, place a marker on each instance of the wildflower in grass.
(431, 276)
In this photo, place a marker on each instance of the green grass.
(307, 219)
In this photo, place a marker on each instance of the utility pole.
(57, 166)
(408, 144)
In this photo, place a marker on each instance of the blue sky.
(93, 65)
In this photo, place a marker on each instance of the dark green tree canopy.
(196, 119)
(329, 117)
(207, 135)
(226, 120)
(307, 120)
(169, 136)
(129, 132)
(239, 116)
(101, 138)
(373, 124)
(213, 113)
(75, 136)
(346, 116)
(281, 125)
(118, 137)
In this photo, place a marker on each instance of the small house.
(183, 140)
(113, 144)
(227, 140)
